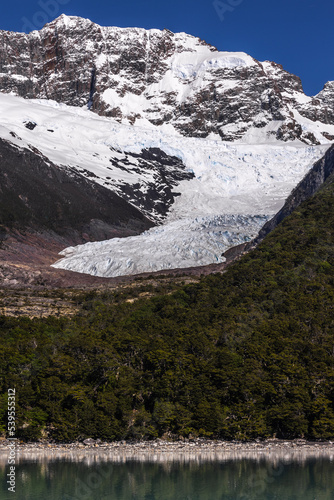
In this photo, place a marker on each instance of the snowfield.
(236, 186)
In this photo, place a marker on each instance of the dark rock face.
(36, 194)
(167, 171)
(322, 106)
(130, 73)
(307, 187)
(73, 61)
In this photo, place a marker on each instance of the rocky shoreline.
(161, 450)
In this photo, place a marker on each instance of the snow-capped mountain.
(159, 77)
(207, 145)
(222, 192)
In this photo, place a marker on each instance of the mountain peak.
(162, 78)
(68, 21)
(328, 87)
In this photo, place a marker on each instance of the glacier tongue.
(179, 244)
(235, 190)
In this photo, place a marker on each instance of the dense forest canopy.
(244, 354)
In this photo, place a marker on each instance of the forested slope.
(240, 355)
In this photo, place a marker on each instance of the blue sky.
(297, 34)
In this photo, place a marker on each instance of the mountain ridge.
(133, 74)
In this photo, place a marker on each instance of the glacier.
(236, 186)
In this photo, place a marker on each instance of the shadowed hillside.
(243, 354)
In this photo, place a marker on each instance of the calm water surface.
(311, 479)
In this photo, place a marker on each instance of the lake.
(257, 478)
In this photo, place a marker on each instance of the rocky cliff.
(311, 183)
(307, 187)
(162, 77)
(38, 196)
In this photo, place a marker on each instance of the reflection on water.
(91, 456)
(88, 477)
